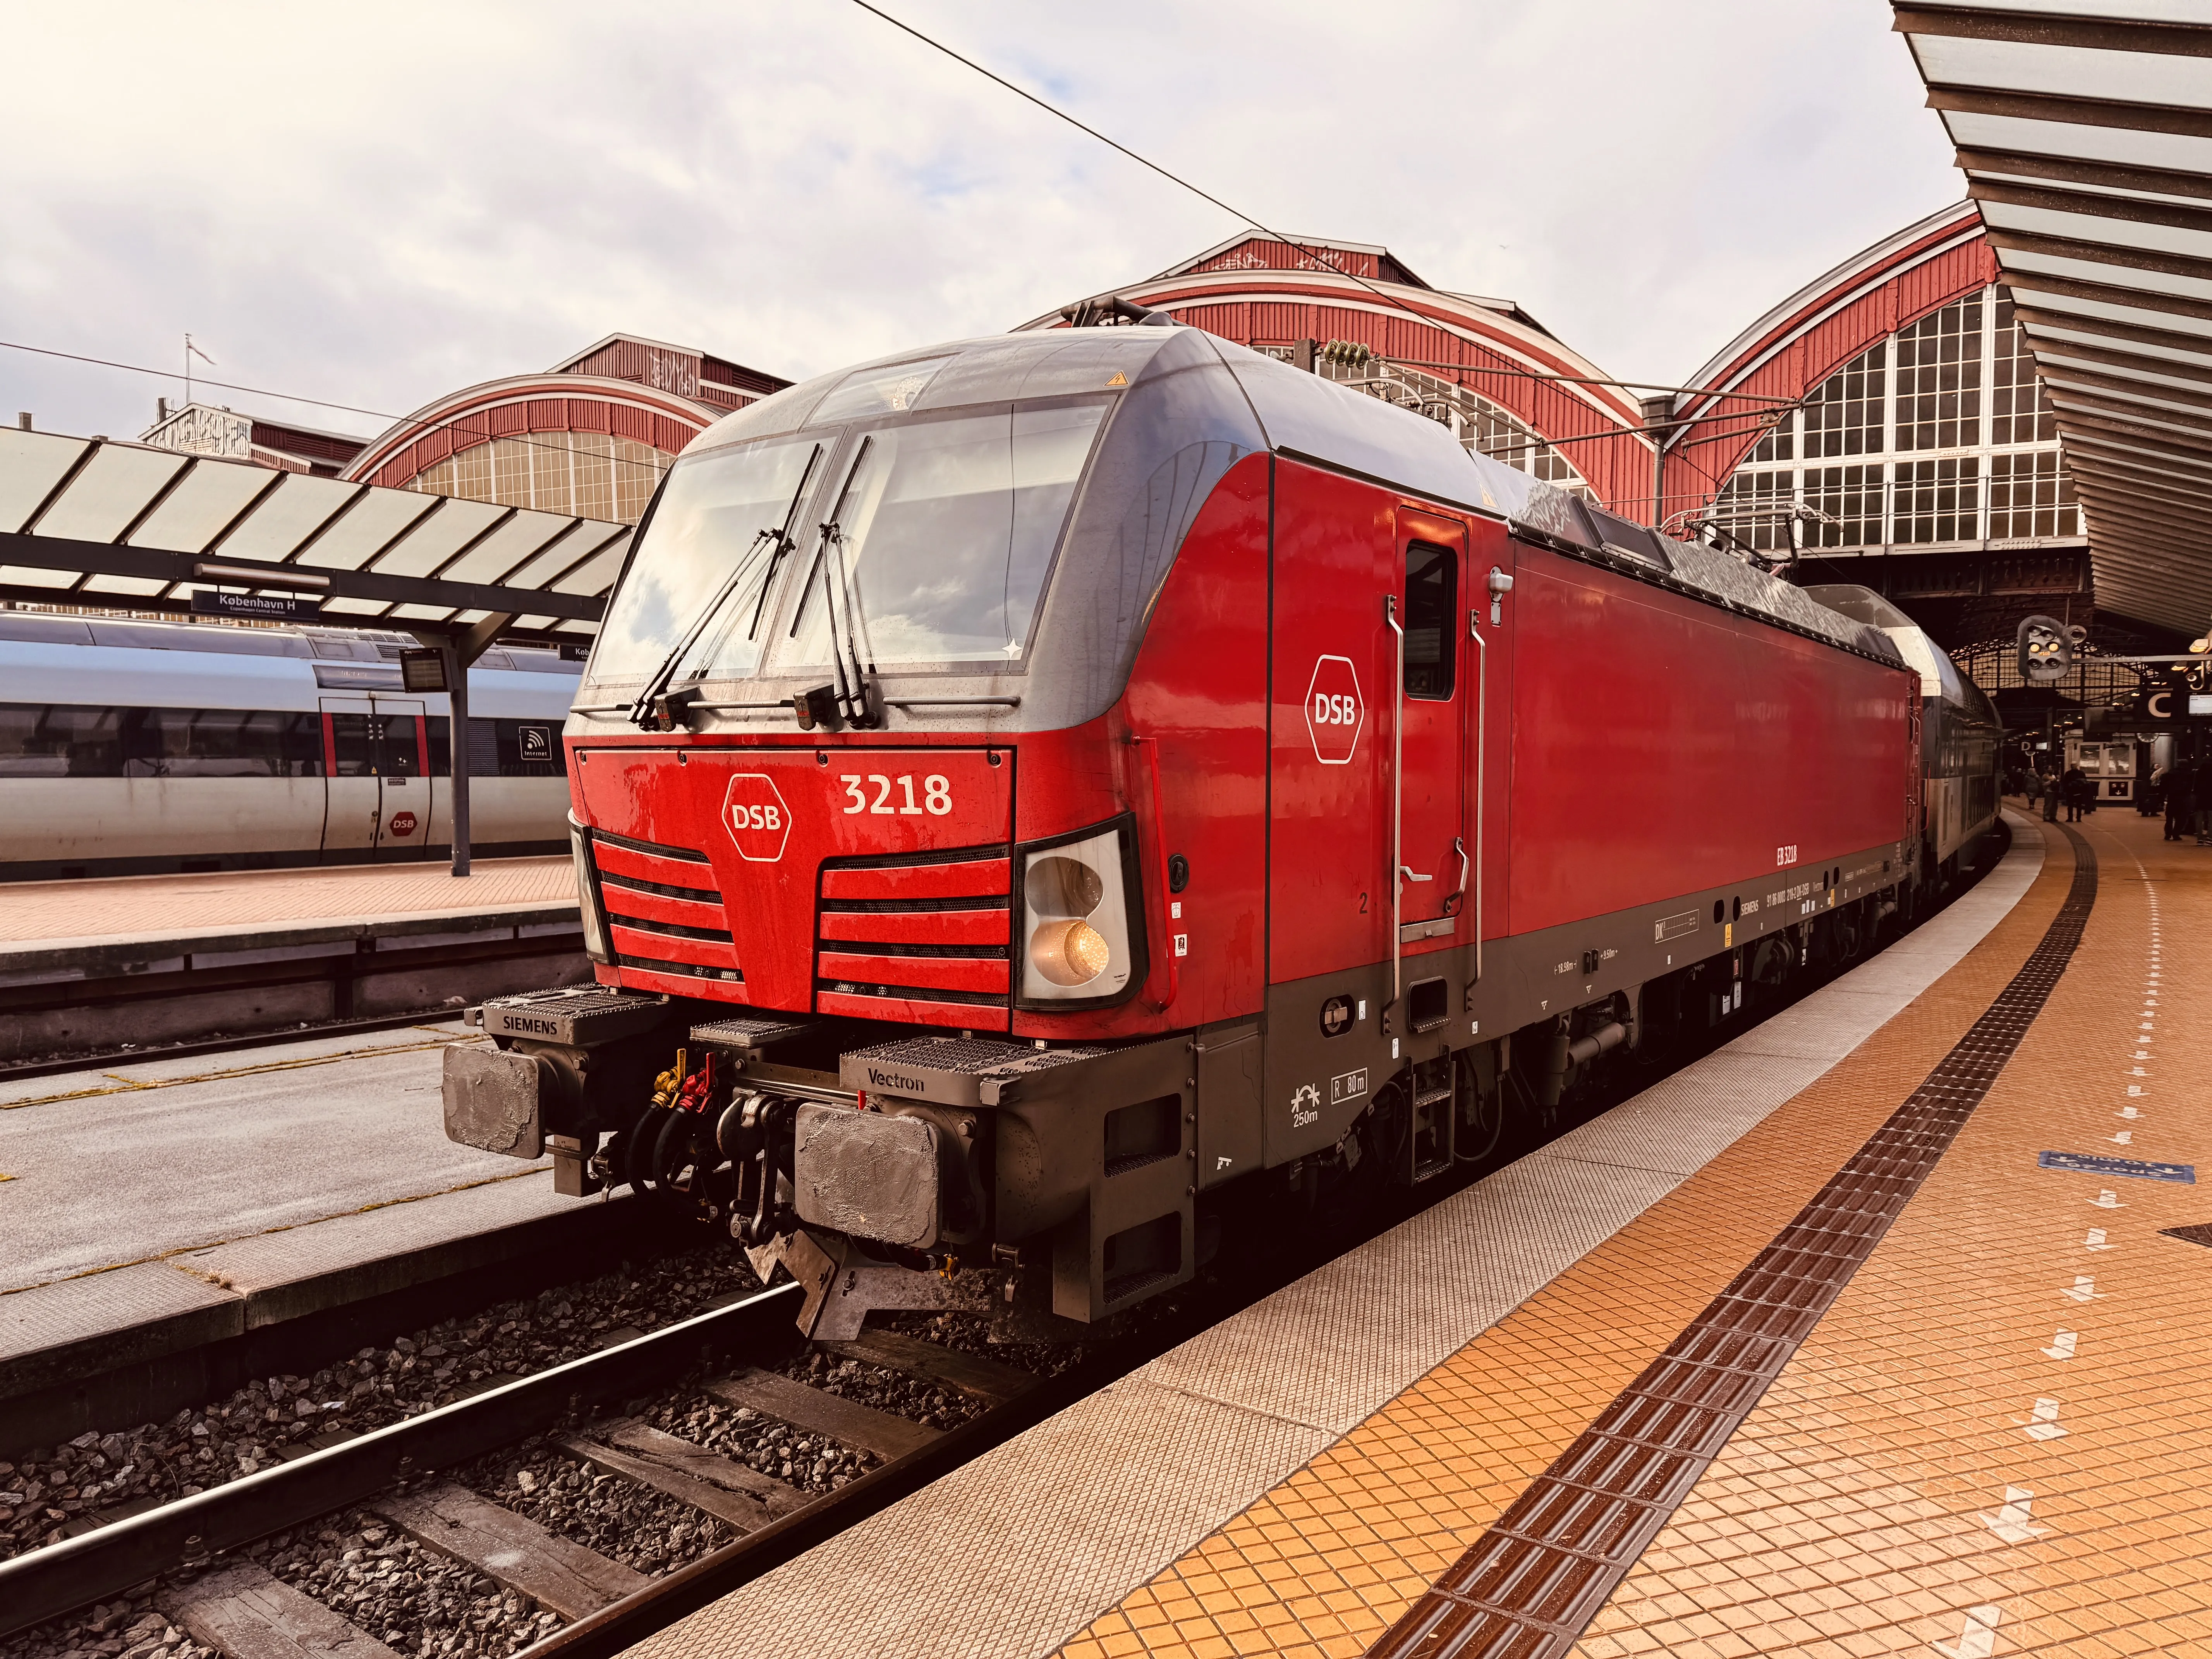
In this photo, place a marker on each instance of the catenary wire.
(1257, 224)
(1175, 179)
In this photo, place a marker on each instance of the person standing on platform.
(2074, 785)
(2201, 798)
(2180, 800)
(2050, 799)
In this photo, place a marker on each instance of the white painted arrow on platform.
(2084, 1290)
(2095, 1240)
(2011, 1523)
(1978, 1640)
(2126, 1137)
(2062, 1346)
(2108, 1200)
(2044, 1424)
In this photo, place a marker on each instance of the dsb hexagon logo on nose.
(759, 822)
(1335, 712)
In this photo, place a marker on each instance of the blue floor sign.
(2092, 1163)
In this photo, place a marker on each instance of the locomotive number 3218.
(936, 794)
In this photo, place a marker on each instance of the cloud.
(377, 208)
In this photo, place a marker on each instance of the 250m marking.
(936, 794)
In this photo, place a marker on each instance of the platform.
(124, 923)
(150, 961)
(1992, 1442)
(149, 1210)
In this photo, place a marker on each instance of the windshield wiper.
(865, 707)
(650, 702)
(857, 702)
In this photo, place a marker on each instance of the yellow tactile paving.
(42, 912)
(1887, 1497)
(1322, 1564)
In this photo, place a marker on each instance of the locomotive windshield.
(934, 541)
(940, 540)
(721, 516)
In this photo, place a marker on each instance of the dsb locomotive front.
(1040, 802)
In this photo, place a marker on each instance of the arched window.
(1939, 434)
(590, 475)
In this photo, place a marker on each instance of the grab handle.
(1160, 1005)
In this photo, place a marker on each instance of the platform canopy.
(2084, 129)
(94, 521)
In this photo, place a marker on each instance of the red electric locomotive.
(1032, 792)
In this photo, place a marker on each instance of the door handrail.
(1481, 732)
(1150, 746)
(1397, 803)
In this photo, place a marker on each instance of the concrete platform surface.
(46, 920)
(1311, 1464)
(129, 1163)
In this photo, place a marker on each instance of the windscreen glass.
(717, 531)
(939, 541)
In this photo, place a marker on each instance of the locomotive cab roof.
(1176, 407)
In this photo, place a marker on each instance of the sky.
(375, 206)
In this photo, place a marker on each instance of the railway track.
(420, 1480)
(472, 1508)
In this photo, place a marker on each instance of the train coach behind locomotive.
(1042, 800)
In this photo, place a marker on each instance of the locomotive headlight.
(1076, 944)
(596, 943)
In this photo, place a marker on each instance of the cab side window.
(1431, 601)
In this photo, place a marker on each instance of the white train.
(130, 747)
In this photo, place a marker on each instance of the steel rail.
(101, 1564)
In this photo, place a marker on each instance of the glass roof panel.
(2134, 316)
(566, 553)
(2121, 146)
(2145, 398)
(2095, 227)
(2082, 188)
(353, 607)
(2120, 77)
(2159, 11)
(210, 497)
(597, 574)
(421, 612)
(25, 575)
(2054, 358)
(368, 528)
(2095, 270)
(112, 490)
(506, 548)
(31, 465)
(138, 586)
(2048, 339)
(287, 516)
(433, 541)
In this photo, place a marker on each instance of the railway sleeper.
(245, 1611)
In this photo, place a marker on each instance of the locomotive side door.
(1435, 857)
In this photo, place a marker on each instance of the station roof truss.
(95, 521)
(2086, 138)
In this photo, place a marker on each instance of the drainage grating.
(1529, 1585)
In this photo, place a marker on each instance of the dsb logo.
(1334, 710)
(758, 821)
